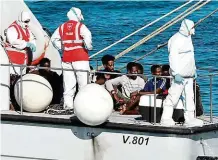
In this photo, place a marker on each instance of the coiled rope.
(151, 23)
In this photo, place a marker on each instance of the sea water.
(110, 21)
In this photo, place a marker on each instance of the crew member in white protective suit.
(73, 39)
(18, 38)
(183, 69)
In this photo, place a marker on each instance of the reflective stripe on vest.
(70, 35)
(15, 55)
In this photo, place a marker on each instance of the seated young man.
(108, 63)
(141, 71)
(160, 82)
(53, 78)
(129, 85)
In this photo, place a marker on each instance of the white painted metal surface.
(65, 142)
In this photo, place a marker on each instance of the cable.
(151, 23)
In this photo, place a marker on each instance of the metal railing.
(113, 73)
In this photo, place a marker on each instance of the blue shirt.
(160, 83)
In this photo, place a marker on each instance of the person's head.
(24, 19)
(187, 27)
(100, 78)
(132, 69)
(156, 70)
(108, 62)
(45, 62)
(165, 70)
(140, 68)
(75, 14)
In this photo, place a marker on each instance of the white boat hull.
(64, 142)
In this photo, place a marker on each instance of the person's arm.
(12, 37)
(173, 48)
(109, 86)
(56, 39)
(87, 36)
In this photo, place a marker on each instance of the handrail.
(155, 77)
(151, 23)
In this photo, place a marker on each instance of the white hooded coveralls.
(182, 62)
(71, 77)
(19, 44)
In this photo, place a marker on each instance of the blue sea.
(110, 21)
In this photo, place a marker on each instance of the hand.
(31, 46)
(178, 79)
(196, 75)
(134, 94)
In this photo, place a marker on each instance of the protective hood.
(75, 14)
(187, 27)
(24, 19)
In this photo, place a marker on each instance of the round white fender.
(93, 104)
(4, 80)
(36, 92)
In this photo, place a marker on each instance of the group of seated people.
(125, 90)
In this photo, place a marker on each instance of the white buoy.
(36, 93)
(93, 104)
(4, 80)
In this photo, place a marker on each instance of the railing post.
(155, 88)
(97, 64)
(88, 78)
(21, 90)
(211, 99)
(195, 97)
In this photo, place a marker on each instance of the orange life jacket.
(72, 43)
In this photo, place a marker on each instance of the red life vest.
(15, 55)
(72, 43)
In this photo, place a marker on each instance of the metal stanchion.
(21, 91)
(195, 97)
(97, 64)
(211, 100)
(155, 88)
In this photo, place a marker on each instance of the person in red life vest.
(19, 42)
(73, 40)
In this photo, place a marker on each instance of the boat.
(40, 136)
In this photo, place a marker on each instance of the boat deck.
(115, 121)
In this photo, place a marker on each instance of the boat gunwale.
(73, 121)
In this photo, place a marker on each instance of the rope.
(151, 52)
(162, 28)
(151, 23)
(164, 44)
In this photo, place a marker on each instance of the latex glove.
(31, 46)
(196, 75)
(178, 79)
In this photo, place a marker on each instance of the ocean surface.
(109, 21)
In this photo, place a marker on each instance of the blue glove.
(31, 46)
(196, 75)
(178, 79)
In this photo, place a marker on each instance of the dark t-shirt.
(160, 83)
